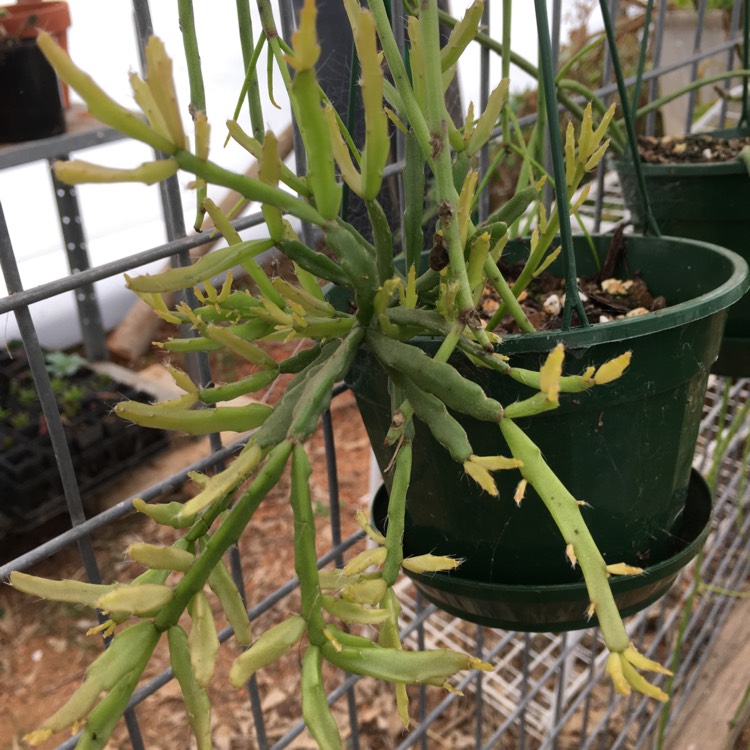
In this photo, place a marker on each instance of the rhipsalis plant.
(389, 307)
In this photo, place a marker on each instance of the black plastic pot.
(29, 93)
(625, 448)
(708, 202)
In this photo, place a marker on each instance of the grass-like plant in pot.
(419, 327)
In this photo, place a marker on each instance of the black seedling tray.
(102, 446)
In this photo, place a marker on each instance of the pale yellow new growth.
(145, 100)
(182, 379)
(365, 591)
(78, 172)
(430, 563)
(479, 468)
(161, 83)
(481, 476)
(550, 374)
(341, 153)
(488, 118)
(520, 491)
(361, 562)
(496, 463)
(159, 557)
(376, 149)
(597, 156)
(73, 592)
(640, 661)
(37, 736)
(612, 369)
(138, 598)
(570, 155)
(623, 569)
(465, 199)
(202, 135)
(622, 668)
(305, 39)
(461, 35)
(365, 525)
(571, 555)
(100, 105)
(333, 640)
(581, 199)
(614, 670)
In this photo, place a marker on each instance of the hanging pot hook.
(572, 295)
(627, 110)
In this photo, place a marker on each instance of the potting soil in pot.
(705, 148)
(605, 296)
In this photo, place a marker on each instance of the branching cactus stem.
(304, 546)
(225, 536)
(581, 548)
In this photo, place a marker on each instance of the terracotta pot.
(24, 19)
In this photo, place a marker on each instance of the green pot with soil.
(625, 449)
(702, 200)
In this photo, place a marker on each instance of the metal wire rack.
(546, 691)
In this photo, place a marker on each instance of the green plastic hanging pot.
(708, 202)
(625, 448)
(557, 607)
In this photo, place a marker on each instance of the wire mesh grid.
(546, 690)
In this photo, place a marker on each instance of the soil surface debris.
(606, 296)
(693, 149)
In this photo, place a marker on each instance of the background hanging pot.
(626, 448)
(708, 202)
(30, 95)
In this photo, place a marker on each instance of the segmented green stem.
(195, 77)
(305, 557)
(505, 65)
(397, 68)
(506, 295)
(250, 86)
(226, 535)
(567, 516)
(253, 190)
(436, 117)
(414, 190)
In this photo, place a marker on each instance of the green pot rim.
(704, 171)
